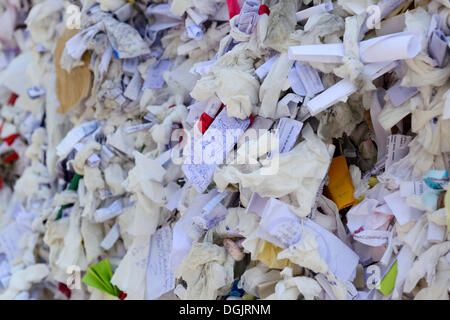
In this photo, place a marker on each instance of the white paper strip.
(193, 30)
(263, 70)
(341, 90)
(214, 202)
(134, 87)
(197, 17)
(112, 211)
(391, 47)
(399, 95)
(321, 8)
(73, 136)
(111, 237)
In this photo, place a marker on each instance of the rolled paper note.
(196, 16)
(326, 53)
(379, 11)
(438, 46)
(321, 8)
(396, 46)
(341, 90)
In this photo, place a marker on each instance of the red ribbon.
(122, 295)
(10, 139)
(12, 99)
(181, 137)
(263, 9)
(359, 230)
(1, 182)
(11, 158)
(64, 289)
(205, 122)
(233, 8)
(220, 110)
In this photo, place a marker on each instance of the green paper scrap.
(74, 183)
(73, 186)
(60, 212)
(99, 276)
(92, 279)
(388, 282)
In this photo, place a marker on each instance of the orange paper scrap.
(340, 188)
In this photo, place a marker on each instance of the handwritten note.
(154, 78)
(289, 131)
(160, 278)
(200, 172)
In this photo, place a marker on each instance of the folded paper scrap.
(99, 276)
(224, 150)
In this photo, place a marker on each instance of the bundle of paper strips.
(224, 150)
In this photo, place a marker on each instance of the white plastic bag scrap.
(239, 149)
